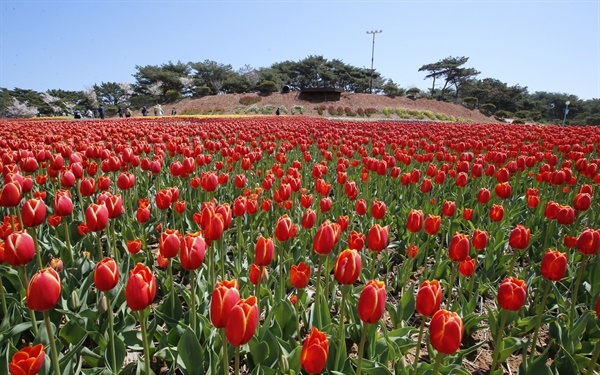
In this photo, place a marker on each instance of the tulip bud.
(415, 220)
(371, 303)
(519, 237)
(193, 251)
(459, 247)
(377, 237)
(347, 267)
(106, 274)
(512, 293)
(429, 298)
(141, 288)
(43, 290)
(33, 212)
(467, 267)
(224, 297)
(554, 265)
(19, 248)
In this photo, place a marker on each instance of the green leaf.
(510, 345)
(120, 352)
(258, 350)
(406, 307)
(72, 332)
(190, 352)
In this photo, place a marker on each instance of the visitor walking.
(101, 111)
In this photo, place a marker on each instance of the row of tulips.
(379, 204)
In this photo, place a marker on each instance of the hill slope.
(230, 103)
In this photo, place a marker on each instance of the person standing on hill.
(120, 112)
(101, 111)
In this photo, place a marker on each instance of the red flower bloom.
(263, 251)
(285, 229)
(224, 297)
(448, 208)
(496, 212)
(170, 243)
(361, 207)
(309, 218)
(314, 352)
(459, 247)
(519, 237)
(27, 361)
(446, 331)
(378, 210)
(242, 321)
(415, 220)
(429, 298)
(134, 247)
(377, 237)
(33, 212)
(299, 275)
(588, 241)
(371, 303)
(467, 267)
(503, 190)
(356, 240)
(483, 196)
(347, 267)
(19, 248)
(327, 236)
(106, 274)
(193, 251)
(141, 288)
(480, 239)
(43, 290)
(432, 224)
(554, 265)
(512, 294)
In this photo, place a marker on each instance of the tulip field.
(296, 245)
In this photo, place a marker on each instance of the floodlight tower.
(373, 56)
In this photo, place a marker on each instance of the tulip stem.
(193, 300)
(38, 251)
(226, 356)
(450, 285)
(421, 329)
(211, 265)
(18, 212)
(31, 312)
(318, 294)
(238, 258)
(111, 332)
(361, 347)
(575, 290)
(511, 267)
(98, 237)
(438, 362)
(222, 249)
(145, 342)
(69, 256)
(326, 276)
(114, 241)
(341, 332)
(281, 285)
(499, 334)
(53, 352)
(237, 360)
(260, 272)
(373, 262)
(539, 319)
(594, 358)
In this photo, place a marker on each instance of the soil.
(230, 103)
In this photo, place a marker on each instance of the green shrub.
(414, 112)
(470, 102)
(111, 110)
(252, 109)
(203, 91)
(518, 121)
(268, 109)
(413, 93)
(239, 109)
(502, 114)
(387, 112)
(173, 95)
(250, 99)
(420, 116)
(390, 89)
(349, 112)
(361, 112)
(401, 112)
(321, 109)
(441, 117)
(283, 110)
(487, 109)
(299, 109)
(267, 86)
(429, 115)
(370, 111)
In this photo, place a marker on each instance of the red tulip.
(446, 331)
(299, 275)
(343, 221)
(361, 207)
(483, 196)
(377, 237)
(285, 229)
(240, 181)
(347, 267)
(33, 212)
(496, 212)
(254, 271)
(415, 220)
(432, 224)
(554, 265)
(239, 206)
(263, 251)
(533, 201)
(19, 248)
(467, 267)
(134, 247)
(351, 190)
(224, 297)
(56, 264)
(503, 190)
(63, 205)
(480, 239)
(141, 288)
(180, 207)
(143, 211)
(371, 303)
(10, 195)
(426, 186)
(378, 210)
(582, 201)
(551, 210)
(96, 217)
(519, 237)
(192, 252)
(512, 293)
(163, 199)
(325, 204)
(467, 213)
(412, 250)
(106, 274)
(43, 290)
(429, 297)
(459, 247)
(448, 209)
(170, 243)
(242, 321)
(356, 240)
(306, 201)
(314, 352)
(565, 215)
(225, 212)
(461, 179)
(309, 218)
(588, 241)
(327, 236)
(27, 361)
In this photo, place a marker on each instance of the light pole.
(373, 56)
(566, 111)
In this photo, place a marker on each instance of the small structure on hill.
(320, 94)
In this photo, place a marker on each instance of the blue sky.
(545, 45)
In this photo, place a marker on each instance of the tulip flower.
(588, 241)
(361, 207)
(242, 322)
(378, 210)
(106, 274)
(356, 240)
(503, 190)
(496, 212)
(327, 236)
(377, 237)
(371, 305)
(63, 205)
(192, 251)
(170, 243)
(263, 251)
(27, 361)
(309, 218)
(432, 224)
(33, 212)
(467, 266)
(414, 223)
(565, 215)
(347, 267)
(299, 275)
(483, 196)
(459, 247)
(43, 290)
(19, 248)
(141, 288)
(224, 297)
(315, 351)
(96, 217)
(143, 211)
(479, 239)
(285, 229)
(582, 201)
(511, 296)
(448, 209)
(446, 332)
(11, 194)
